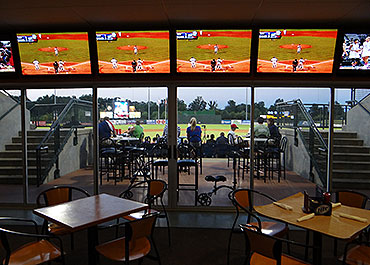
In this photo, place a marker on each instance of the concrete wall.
(358, 120)
(11, 124)
(75, 157)
(297, 158)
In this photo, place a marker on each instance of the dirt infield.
(48, 69)
(65, 36)
(130, 47)
(205, 66)
(294, 46)
(311, 33)
(125, 67)
(51, 49)
(236, 34)
(212, 46)
(286, 67)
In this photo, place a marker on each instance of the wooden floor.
(211, 166)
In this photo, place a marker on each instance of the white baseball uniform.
(61, 66)
(193, 61)
(274, 62)
(140, 64)
(218, 64)
(366, 48)
(215, 49)
(56, 51)
(299, 48)
(114, 63)
(36, 64)
(354, 51)
(300, 63)
(135, 50)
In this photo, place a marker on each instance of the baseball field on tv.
(313, 49)
(118, 49)
(229, 48)
(70, 48)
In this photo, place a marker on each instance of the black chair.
(242, 201)
(57, 195)
(41, 250)
(109, 160)
(155, 190)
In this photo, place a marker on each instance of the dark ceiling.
(18, 15)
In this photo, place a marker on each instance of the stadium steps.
(11, 171)
(351, 161)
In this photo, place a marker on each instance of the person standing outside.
(194, 133)
(299, 48)
(135, 49)
(56, 51)
(215, 49)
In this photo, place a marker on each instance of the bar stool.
(160, 163)
(188, 163)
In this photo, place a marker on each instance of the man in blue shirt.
(106, 129)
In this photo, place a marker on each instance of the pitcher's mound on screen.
(52, 49)
(211, 46)
(294, 46)
(131, 47)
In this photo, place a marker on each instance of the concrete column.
(24, 146)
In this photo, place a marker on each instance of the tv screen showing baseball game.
(213, 51)
(6, 56)
(296, 50)
(356, 51)
(54, 53)
(133, 52)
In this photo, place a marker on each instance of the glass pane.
(214, 124)
(132, 148)
(60, 139)
(291, 131)
(10, 147)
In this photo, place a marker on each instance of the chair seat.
(34, 253)
(272, 228)
(258, 259)
(139, 215)
(115, 249)
(187, 163)
(160, 163)
(358, 255)
(210, 178)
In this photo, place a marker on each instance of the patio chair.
(41, 250)
(136, 243)
(57, 195)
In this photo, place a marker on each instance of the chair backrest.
(58, 194)
(242, 199)
(156, 187)
(351, 198)
(283, 143)
(231, 139)
(142, 227)
(265, 245)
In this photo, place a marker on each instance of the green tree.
(212, 105)
(198, 104)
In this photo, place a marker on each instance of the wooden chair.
(135, 245)
(36, 252)
(155, 190)
(266, 249)
(242, 200)
(57, 195)
(359, 254)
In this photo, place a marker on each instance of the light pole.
(148, 103)
(159, 102)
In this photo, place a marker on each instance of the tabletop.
(248, 138)
(89, 211)
(124, 138)
(337, 227)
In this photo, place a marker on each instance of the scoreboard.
(270, 34)
(187, 35)
(106, 36)
(27, 38)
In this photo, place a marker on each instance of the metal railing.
(17, 103)
(68, 118)
(293, 114)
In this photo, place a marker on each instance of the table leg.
(317, 251)
(92, 237)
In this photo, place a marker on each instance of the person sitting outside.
(274, 130)
(221, 139)
(261, 130)
(212, 140)
(137, 130)
(232, 135)
(194, 133)
(106, 129)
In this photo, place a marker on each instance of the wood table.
(336, 227)
(88, 213)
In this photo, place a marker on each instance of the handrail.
(9, 110)
(362, 106)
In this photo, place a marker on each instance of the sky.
(219, 94)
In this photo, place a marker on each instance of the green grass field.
(157, 49)
(238, 48)
(78, 50)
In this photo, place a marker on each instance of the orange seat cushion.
(358, 255)
(34, 253)
(115, 249)
(272, 228)
(258, 259)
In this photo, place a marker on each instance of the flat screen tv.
(6, 56)
(120, 110)
(54, 53)
(296, 50)
(133, 52)
(355, 51)
(213, 51)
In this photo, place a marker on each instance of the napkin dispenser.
(316, 205)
